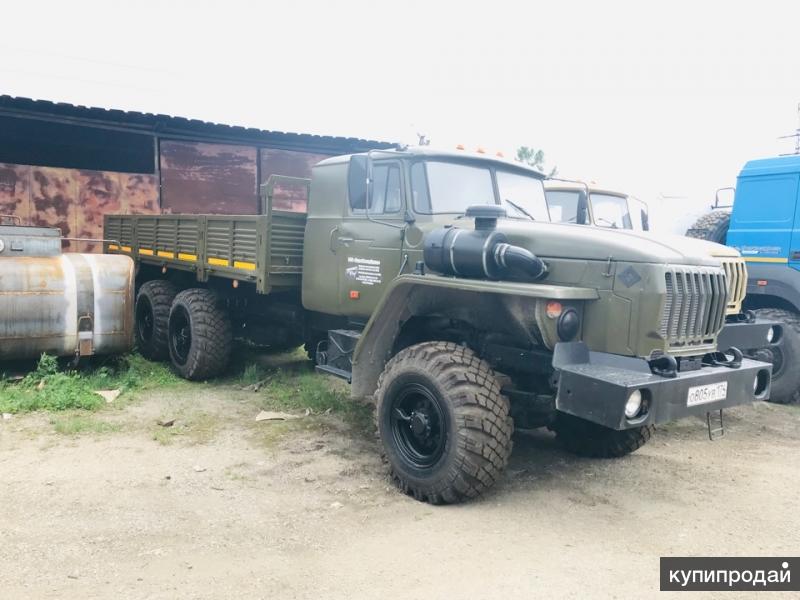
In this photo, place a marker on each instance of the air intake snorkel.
(483, 253)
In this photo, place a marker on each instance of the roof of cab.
(449, 155)
(553, 185)
(767, 166)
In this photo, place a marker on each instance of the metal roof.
(180, 127)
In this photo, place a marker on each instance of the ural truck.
(763, 225)
(578, 202)
(428, 281)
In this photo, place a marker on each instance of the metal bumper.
(595, 386)
(747, 336)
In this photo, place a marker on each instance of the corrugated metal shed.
(180, 127)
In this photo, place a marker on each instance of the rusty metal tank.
(61, 303)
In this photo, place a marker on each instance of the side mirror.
(357, 185)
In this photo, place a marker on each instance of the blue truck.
(763, 224)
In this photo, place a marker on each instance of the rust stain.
(208, 178)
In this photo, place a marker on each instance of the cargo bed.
(265, 249)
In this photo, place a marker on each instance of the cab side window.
(387, 193)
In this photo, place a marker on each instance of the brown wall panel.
(295, 164)
(74, 201)
(98, 194)
(54, 196)
(139, 194)
(208, 178)
(15, 191)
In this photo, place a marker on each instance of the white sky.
(655, 100)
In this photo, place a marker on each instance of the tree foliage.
(534, 158)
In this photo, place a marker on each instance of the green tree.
(534, 158)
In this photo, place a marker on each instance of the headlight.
(634, 404)
(770, 335)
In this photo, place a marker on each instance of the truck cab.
(763, 225)
(584, 204)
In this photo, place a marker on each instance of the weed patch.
(49, 387)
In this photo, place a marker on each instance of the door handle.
(333, 233)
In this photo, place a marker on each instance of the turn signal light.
(553, 309)
(355, 294)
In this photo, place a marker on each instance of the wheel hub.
(420, 424)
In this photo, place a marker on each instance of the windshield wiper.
(520, 209)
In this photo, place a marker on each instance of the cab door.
(369, 239)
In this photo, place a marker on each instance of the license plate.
(703, 394)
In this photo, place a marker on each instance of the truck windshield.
(610, 211)
(522, 196)
(445, 187)
(563, 206)
(449, 187)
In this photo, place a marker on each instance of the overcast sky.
(658, 100)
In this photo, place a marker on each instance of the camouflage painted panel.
(15, 189)
(200, 178)
(74, 201)
(139, 194)
(296, 164)
(54, 196)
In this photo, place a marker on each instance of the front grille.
(736, 272)
(694, 307)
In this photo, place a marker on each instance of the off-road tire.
(151, 317)
(476, 428)
(712, 227)
(785, 387)
(209, 326)
(585, 438)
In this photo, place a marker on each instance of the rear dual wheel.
(151, 314)
(191, 328)
(199, 334)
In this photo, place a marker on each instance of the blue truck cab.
(764, 226)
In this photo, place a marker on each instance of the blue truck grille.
(694, 306)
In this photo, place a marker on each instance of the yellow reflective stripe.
(125, 248)
(165, 254)
(239, 264)
(113, 247)
(220, 262)
(189, 257)
(766, 259)
(146, 251)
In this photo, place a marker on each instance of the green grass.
(49, 387)
(78, 424)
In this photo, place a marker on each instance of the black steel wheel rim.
(180, 335)
(145, 322)
(418, 425)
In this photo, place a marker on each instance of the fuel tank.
(61, 303)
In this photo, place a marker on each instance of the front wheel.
(783, 355)
(443, 422)
(200, 337)
(585, 438)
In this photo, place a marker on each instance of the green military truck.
(434, 283)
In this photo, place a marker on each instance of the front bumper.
(595, 386)
(747, 336)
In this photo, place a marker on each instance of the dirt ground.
(222, 506)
